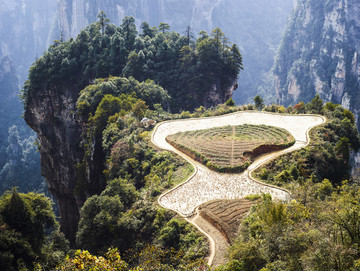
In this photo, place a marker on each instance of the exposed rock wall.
(320, 54)
(51, 115)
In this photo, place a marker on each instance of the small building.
(148, 123)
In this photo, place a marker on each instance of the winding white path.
(205, 185)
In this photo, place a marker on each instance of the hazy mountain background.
(24, 31)
(28, 27)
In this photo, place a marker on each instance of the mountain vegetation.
(320, 220)
(187, 69)
(255, 26)
(24, 27)
(317, 230)
(29, 232)
(154, 69)
(19, 158)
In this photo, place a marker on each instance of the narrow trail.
(205, 185)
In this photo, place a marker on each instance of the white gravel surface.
(205, 184)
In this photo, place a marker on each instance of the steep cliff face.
(256, 26)
(320, 54)
(51, 115)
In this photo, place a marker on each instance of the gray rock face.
(320, 54)
(51, 116)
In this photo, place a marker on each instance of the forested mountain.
(255, 26)
(28, 27)
(106, 78)
(19, 160)
(24, 28)
(320, 54)
(188, 73)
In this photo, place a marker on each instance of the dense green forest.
(187, 69)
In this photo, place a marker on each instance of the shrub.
(230, 102)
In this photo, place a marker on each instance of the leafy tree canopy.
(103, 49)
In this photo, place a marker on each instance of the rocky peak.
(320, 54)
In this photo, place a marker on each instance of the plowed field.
(231, 148)
(226, 215)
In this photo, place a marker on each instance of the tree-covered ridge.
(148, 91)
(130, 174)
(187, 69)
(111, 109)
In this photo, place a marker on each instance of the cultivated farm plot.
(226, 215)
(230, 148)
(206, 185)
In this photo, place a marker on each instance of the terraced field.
(226, 215)
(206, 185)
(230, 148)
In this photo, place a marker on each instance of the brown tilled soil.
(226, 215)
(230, 145)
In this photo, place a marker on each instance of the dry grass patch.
(231, 148)
(226, 215)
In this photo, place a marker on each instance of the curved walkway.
(205, 185)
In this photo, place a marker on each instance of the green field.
(231, 148)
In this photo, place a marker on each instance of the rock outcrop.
(320, 54)
(51, 115)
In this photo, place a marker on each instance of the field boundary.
(248, 172)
